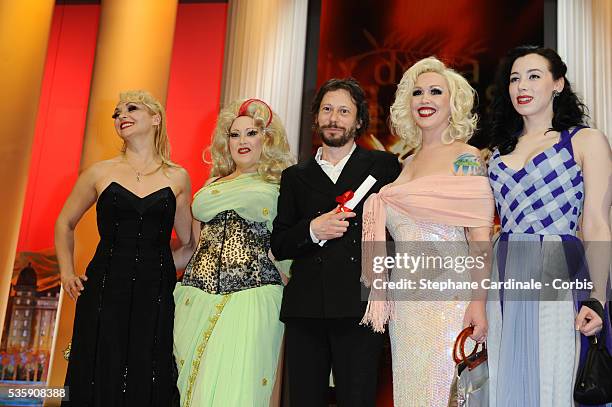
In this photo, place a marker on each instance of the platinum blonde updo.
(462, 121)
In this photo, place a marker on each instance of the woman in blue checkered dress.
(551, 181)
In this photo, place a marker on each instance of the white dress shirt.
(332, 171)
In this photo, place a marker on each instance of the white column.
(264, 57)
(602, 59)
(584, 36)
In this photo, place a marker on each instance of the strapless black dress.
(122, 338)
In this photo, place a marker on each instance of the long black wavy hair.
(506, 124)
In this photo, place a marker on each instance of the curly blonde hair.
(462, 122)
(162, 145)
(275, 154)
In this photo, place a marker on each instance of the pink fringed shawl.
(443, 199)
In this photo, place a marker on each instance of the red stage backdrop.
(194, 89)
(58, 140)
(377, 42)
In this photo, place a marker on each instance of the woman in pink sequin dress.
(441, 205)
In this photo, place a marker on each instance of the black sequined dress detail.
(122, 338)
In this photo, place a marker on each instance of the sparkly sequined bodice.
(545, 196)
(404, 229)
(232, 255)
(424, 239)
(422, 332)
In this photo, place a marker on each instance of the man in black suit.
(322, 303)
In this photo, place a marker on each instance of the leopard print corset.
(232, 255)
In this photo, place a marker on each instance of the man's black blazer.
(324, 280)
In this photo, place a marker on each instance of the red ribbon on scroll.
(343, 199)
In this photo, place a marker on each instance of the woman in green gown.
(227, 335)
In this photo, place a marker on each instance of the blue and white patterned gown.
(533, 346)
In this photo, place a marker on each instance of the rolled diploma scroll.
(363, 189)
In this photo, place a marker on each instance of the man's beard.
(346, 136)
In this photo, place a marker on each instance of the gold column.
(134, 51)
(24, 33)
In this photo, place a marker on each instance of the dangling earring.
(555, 93)
(446, 136)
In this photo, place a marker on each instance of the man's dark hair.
(357, 94)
